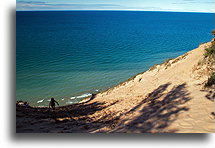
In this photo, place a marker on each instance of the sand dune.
(169, 97)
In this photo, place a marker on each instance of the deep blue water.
(63, 54)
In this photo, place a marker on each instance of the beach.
(167, 98)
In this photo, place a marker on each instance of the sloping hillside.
(169, 97)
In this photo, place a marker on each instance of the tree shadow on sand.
(75, 117)
(211, 96)
(157, 111)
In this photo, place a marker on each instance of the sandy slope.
(168, 98)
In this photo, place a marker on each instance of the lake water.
(70, 54)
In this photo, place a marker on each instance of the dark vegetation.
(211, 80)
(210, 52)
(210, 55)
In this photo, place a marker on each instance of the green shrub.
(210, 52)
(213, 33)
(209, 56)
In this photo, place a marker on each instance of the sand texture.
(169, 97)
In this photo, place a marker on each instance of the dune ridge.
(169, 97)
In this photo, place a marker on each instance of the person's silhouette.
(52, 103)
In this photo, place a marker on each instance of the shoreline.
(136, 75)
(167, 98)
(114, 86)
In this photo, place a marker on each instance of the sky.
(132, 5)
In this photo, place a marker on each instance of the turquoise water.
(65, 54)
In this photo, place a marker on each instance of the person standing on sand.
(52, 103)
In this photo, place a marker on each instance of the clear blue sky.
(140, 5)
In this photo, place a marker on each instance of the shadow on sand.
(211, 96)
(75, 117)
(157, 111)
(153, 114)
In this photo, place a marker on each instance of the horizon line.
(121, 10)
